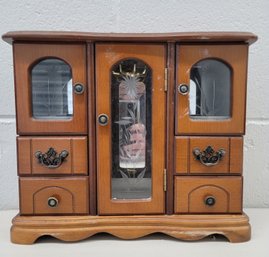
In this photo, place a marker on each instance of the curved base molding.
(27, 229)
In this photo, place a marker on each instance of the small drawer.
(208, 194)
(52, 155)
(54, 196)
(208, 155)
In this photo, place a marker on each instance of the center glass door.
(130, 107)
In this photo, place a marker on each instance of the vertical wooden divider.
(91, 128)
(170, 127)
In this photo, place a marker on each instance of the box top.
(186, 37)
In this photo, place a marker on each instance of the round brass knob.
(210, 200)
(103, 119)
(53, 202)
(78, 88)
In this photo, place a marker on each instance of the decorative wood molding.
(27, 229)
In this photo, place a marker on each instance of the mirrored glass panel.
(52, 96)
(131, 130)
(210, 90)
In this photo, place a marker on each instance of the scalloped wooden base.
(27, 229)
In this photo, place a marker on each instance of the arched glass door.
(130, 129)
(52, 88)
(210, 89)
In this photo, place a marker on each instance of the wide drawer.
(52, 155)
(54, 196)
(208, 155)
(208, 194)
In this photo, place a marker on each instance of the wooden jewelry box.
(130, 134)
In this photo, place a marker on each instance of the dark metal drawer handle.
(209, 157)
(50, 159)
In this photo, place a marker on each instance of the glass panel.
(52, 96)
(210, 90)
(131, 130)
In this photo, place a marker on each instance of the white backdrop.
(145, 16)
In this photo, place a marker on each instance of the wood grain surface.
(76, 162)
(186, 163)
(56, 36)
(26, 230)
(72, 194)
(191, 193)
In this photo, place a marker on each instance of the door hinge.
(165, 79)
(164, 180)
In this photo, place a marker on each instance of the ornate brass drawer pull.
(50, 159)
(209, 157)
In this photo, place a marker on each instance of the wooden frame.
(170, 112)
(154, 56)
(236, 57)
(25, 56)
(92, 128)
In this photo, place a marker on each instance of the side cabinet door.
(130, 106)
(50, 83)
(211, 89)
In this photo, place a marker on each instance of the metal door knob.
(78, 88)
(53, 202)
(183, 89)
(103, 119)
(210, 200)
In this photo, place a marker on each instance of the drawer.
(52, 155)
(208, 194)
(208, 155)
(54, 195)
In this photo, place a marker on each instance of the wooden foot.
(27, 229)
